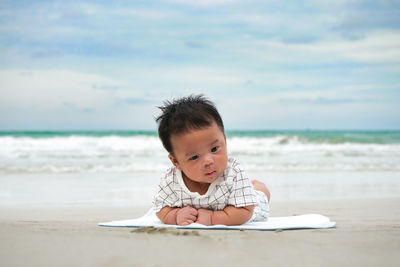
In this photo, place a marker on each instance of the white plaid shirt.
(232, 187)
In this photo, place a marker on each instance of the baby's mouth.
(210, 173)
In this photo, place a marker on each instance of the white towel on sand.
(307, 221)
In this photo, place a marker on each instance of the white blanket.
(307, 221)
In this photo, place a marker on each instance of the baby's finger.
(194, 212)
(192, 218)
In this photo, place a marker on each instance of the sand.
(367, 234)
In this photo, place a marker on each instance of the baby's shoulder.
(233, 165)
(169, 174)
(232, 170)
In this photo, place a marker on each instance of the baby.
(204, 186)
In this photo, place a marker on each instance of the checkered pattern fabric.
(231, 188)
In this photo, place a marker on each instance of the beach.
(57, 186)
(367, 234)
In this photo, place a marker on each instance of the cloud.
(194, 44)
(377, 47)
(362, 17)
(202, 3)
(98, 60)
(53, 89)
(75, 108)
(106, 87)
(44, 53)
(200, 75)
(353, 35)
(133, 101)
(140, 32)
(144, 13)
(316, 101)
(299, 39)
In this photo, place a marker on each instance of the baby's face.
(200, 154)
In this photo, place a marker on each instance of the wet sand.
(367, 234)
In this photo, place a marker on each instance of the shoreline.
(367, 234)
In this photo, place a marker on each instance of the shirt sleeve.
(165, 195)
(242, 192)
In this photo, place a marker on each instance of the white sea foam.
(284, 153)
(143, 153)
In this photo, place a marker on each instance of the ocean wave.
(144, 153)
(160, 168)
(309, 136)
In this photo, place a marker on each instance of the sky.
(107, 65)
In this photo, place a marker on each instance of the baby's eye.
(194, 157)
(214, 149)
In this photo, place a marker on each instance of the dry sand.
(367, 234)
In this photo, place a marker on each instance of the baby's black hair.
(185, 114)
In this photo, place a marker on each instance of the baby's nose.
(208, 160)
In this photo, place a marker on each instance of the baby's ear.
(174, 161)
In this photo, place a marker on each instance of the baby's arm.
(177, 216)
(231, 215)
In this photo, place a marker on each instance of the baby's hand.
(204, 216)
(186, 216)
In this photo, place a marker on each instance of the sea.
(122, 168)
